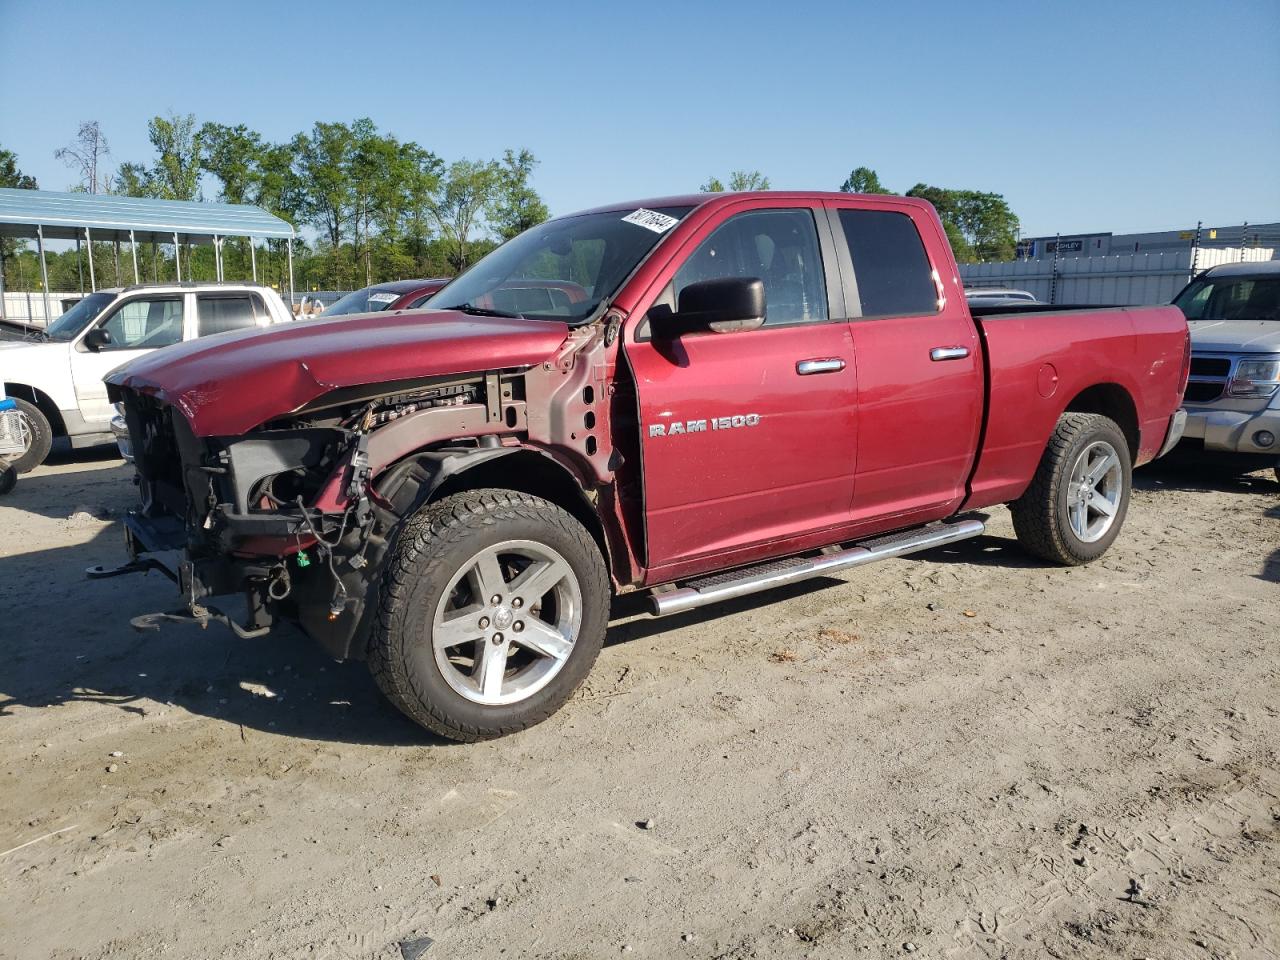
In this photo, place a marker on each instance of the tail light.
(1186, 366)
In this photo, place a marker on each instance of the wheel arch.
(521, 469)
(42, 401)
(1113, 401)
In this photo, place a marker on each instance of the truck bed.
(1040, 359)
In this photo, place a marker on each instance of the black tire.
(437, 543)
(8, 477)
(41, 438)
(1041, 516)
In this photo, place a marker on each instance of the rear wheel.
(37, 435)
(1077, 501)
(493, 609)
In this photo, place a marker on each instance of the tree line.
(980, 226)
(380, 208)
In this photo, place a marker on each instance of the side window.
(146, 323)
(779, 247)
(893, 272)
(218, 313)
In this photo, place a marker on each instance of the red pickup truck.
(697, 397)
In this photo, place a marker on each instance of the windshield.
(67, 326)
(1231, 298)
(560, 270)
(368, 300)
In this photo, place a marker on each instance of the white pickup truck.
(55, 374)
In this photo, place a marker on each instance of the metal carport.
(42, 215)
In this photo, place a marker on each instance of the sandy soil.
(965, 754)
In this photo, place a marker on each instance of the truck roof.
(187, 285)
(723, 197)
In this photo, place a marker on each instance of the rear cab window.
(891, 269)
(224, 312)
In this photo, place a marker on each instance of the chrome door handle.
(948, 353)
(825, 365)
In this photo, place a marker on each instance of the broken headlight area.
(285, 516)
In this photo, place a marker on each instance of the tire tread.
(1035, 513)
(435, 528)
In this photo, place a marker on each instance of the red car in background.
(393, 295)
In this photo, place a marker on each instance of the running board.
(740, 583)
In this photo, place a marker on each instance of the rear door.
(748, 438)
(919, 365)
(137, 326)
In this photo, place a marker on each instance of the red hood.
(229, 384)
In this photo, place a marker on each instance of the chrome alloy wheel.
(1094, 490)
(25, 434)
(507, 622)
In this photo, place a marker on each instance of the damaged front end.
(289, 516)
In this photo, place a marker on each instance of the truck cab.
(55, 374)
(1233, 394)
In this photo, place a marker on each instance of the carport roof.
(64, 216)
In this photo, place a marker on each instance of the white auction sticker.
(651, 220)
(383, 297)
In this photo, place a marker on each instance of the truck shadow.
(103, 487)
(66, 640)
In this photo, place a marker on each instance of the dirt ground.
(963, 754)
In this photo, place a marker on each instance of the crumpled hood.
(228, 384)
(1235, 336)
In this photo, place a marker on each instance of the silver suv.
(1233, 396)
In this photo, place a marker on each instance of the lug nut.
(497, 638)
(484, 622)
(518, 626)
(495, 600)
(517, 602)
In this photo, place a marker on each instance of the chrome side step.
(740, 583)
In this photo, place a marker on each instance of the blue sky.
(1118, 116)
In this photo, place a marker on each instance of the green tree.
(516, 206)
(863, 180)
(980, 226)
(233, 156)
(738, 180)
(322, 163)
(11, 176)
(417, 217)
(179, 145)
(132, 180)
(467, 188)
(14, 179)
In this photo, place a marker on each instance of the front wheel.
(1077, 501)
(493, 609)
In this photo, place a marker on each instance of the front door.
(135, 327)
(747, 437)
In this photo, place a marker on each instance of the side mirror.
(97, 338)
(720, 306)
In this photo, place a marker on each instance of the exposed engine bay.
(297, 515)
